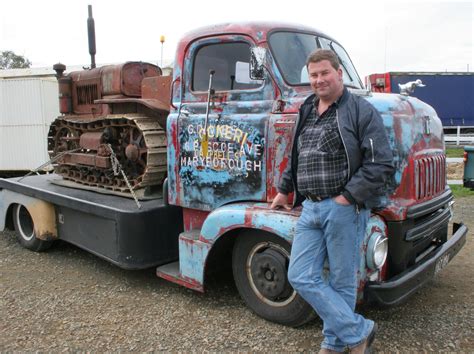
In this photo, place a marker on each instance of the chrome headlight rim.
(377, 243)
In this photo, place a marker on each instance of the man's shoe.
(359, 349)
(326, 351)
(371, 336)
(365, 346)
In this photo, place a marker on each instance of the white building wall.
(27, 108)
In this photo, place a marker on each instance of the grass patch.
(455, 151)
(459, 191)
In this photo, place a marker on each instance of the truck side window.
(230, 62)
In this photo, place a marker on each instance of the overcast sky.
(378, 35)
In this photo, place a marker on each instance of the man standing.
(339, 164)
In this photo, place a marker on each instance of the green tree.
(9, 60)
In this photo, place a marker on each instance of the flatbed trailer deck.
(108, 226)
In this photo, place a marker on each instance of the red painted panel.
(193, 219)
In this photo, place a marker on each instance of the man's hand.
(340, 199)
(281, 200)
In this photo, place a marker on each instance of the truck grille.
(430, 176)
(86, 94)
(412, 239)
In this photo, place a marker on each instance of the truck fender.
(233, 217)
(281, 223)
(249, 216)
(42, 213)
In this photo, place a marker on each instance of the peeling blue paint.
(282, 224)
(192, 256)
(402, 116)
(249, 215)
(171, 154)
(223, 218)
(235, 165)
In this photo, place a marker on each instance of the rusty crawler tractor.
(112, 111)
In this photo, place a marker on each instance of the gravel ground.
(68, 300)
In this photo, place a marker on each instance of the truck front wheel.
(260, 266)
(25, 232)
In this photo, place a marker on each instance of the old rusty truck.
(179, 172)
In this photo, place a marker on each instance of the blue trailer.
(451, 94)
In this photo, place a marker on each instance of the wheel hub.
(269, 270)
(269, 275)
(132, 153)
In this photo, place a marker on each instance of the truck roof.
(257, 30)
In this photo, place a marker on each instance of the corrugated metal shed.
(26, 73)
(30, 73)
(27, 108)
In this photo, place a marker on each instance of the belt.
(317, 198)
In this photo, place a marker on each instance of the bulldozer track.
(145, 132)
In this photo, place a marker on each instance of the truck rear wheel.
(260, 266)
(25, 232)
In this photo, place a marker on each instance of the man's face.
(325, 81)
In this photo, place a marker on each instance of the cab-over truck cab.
(229, 136)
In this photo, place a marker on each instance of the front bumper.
(402, 286)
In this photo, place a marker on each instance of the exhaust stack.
(91, 35)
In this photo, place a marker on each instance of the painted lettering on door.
(230, 147)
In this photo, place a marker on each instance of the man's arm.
(377, 157)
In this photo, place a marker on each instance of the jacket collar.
(340, 100)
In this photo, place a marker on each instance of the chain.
(117, 168)
(114, 161)
(50, 162)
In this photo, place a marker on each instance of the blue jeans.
(328, 230)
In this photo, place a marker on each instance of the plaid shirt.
(322, 161)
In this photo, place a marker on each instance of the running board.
(171, 273)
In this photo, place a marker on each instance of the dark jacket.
(367, 148)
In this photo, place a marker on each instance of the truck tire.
(260, 266)
(25, 233)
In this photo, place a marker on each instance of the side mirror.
(257, 63)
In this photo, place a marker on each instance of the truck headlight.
(377, 250)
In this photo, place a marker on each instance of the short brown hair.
(323, 54)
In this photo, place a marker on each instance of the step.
(170, 272)
(190, 235)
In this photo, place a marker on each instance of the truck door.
(232, 168)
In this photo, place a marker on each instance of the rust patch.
(91, 140)
(193, 219)
(158, 87)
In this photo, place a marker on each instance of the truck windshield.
(290, 50)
